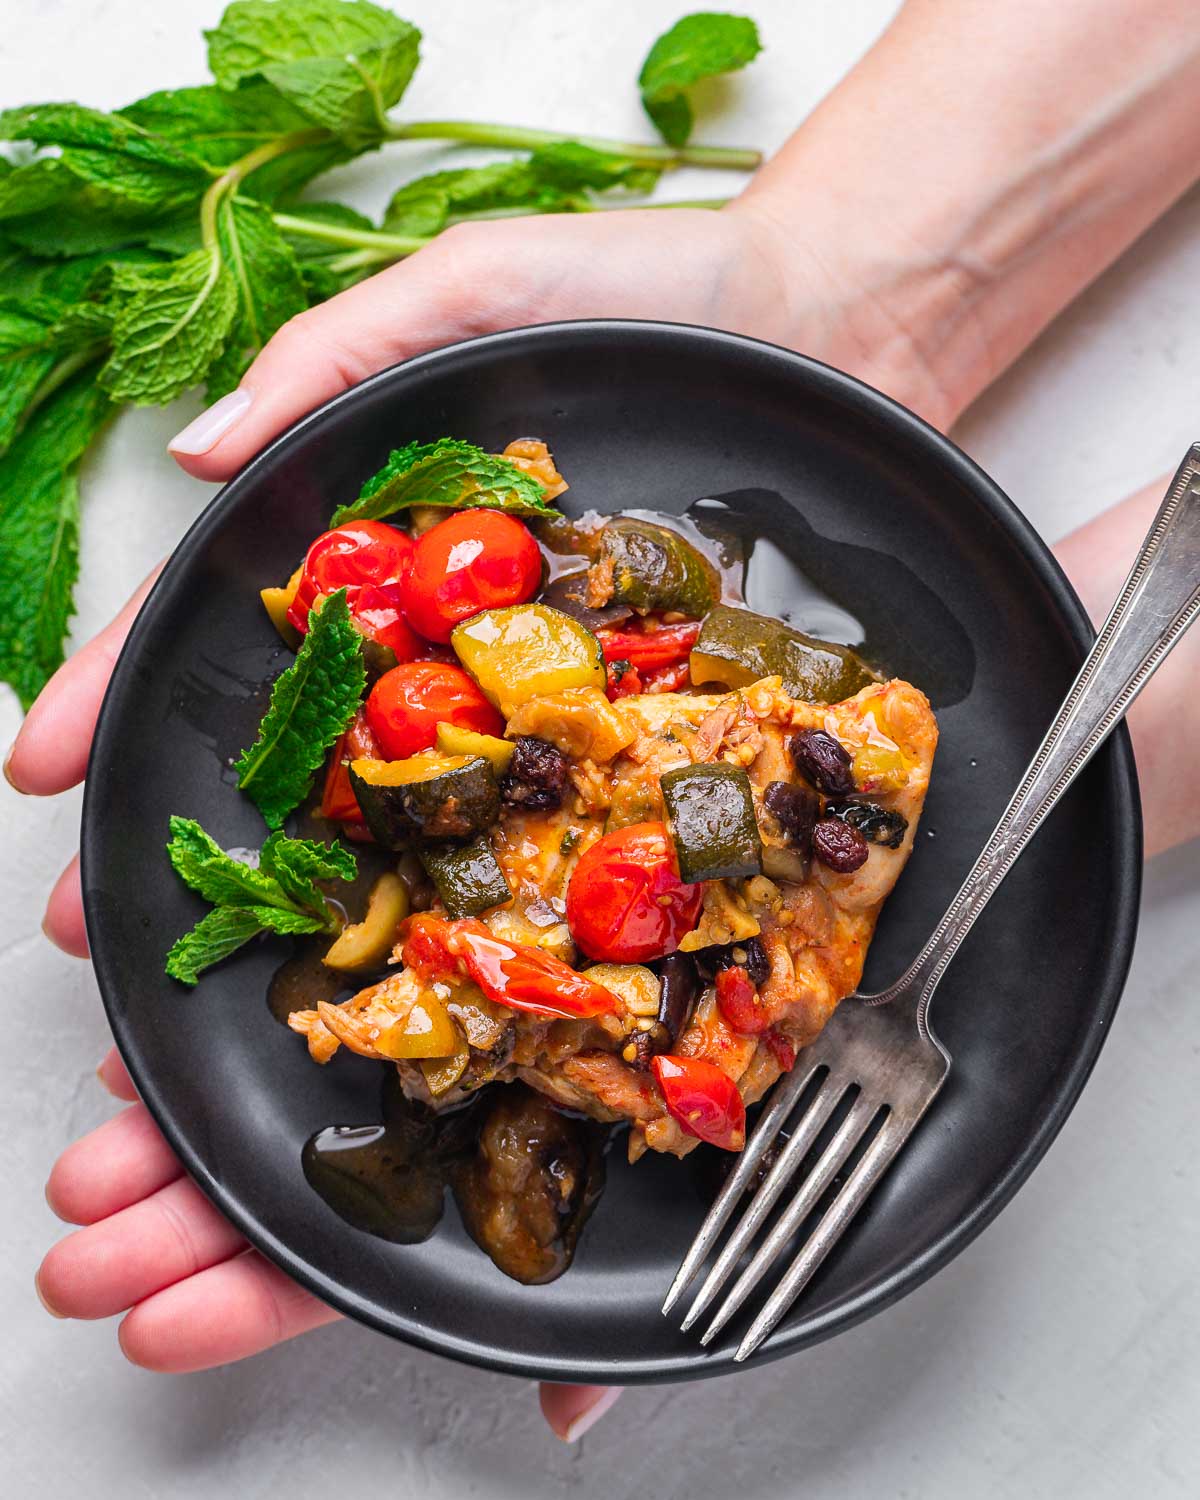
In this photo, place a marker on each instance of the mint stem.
(471, 132)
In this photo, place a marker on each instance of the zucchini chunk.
(427, 796)
(655, 568)
(451, 740)
(468, 876)
(736, 648)
(710, 814)
(527, 651)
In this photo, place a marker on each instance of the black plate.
(903, 529)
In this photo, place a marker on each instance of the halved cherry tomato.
(473, 560)
(702, 1100)
(377, 614)
(338, 801)
(626, 903)
(646, 649)
(361, 552)
(408, 703)
(739, 1004)
(668, 679)
(513, 974)
(780, 1049)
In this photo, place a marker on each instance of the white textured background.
(1056, 1357)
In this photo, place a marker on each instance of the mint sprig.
(157, 247)
(277, 896)
(447, 474)
(311, 704)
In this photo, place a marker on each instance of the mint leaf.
(297, 864)
(270, 289)
(202, 864)
(26, 357)
(571, 167)
(311, 704)
(447, 473)
(171, 323)
(217, 127)
(39, 532)
(224, 930)
(697, 47)
(343, 63)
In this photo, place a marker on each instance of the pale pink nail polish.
(211, 425)
(588, 1418)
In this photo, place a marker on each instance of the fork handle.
(1160, 599)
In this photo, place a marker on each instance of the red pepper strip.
(623, 680)
(781, 1049)
(738, 1002)
(512, 974)
(338, 801)
(647, 649)
(668, 679)
(703, 1101)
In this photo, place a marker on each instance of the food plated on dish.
(573, 819)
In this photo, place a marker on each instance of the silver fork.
(882, 1045)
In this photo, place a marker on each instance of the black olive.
(876, 824)
(536, 778)
(795, 809)
(823, 761)
(839, 846)
(680, 990)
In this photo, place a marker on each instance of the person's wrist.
(867, 303)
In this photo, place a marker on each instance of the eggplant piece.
(680, 989)
(468, 876)
(652, 567)
(569, 593)
(427, 796)
(710, 814)
(736, 647)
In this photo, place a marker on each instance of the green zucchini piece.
(655, 568)
(451, 740)
(429, 796)
(527, 651)
(736, 648)
(468, 876)
(710, 815)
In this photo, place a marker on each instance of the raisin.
(749, 955)
(536, 778)
(795, 809)
(823, 761)
(876, 824)
(839, 846)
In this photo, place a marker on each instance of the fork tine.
(848, 1134)
(875, 1162)
(782, 1102)
(808, 1128)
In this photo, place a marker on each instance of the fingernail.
(8, 776)
(104, 1083)
(211, 425)
(44, 1300)
(585, 1420)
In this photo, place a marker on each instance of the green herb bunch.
(159, 247)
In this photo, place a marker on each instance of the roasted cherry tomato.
(513, 974)
(473, 560)
(668, 679)
(623, 680)
(361, 552)
(379, 615)
(702, 1100)
(646, 649)
(780, 1049)
(338, 801)
(408, 703)
(739, 1003)
(626, 903)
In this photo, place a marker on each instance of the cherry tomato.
(647, 649)
(347, 557)
(739, 1004)
(626, 903)
(377, 614)
(668, 679)
(408, 703)
(702, 1100)
(338, 801)
(623, 680)
(473, 560)
(513, 974)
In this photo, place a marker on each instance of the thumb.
(571, 1410)
(436, 297)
